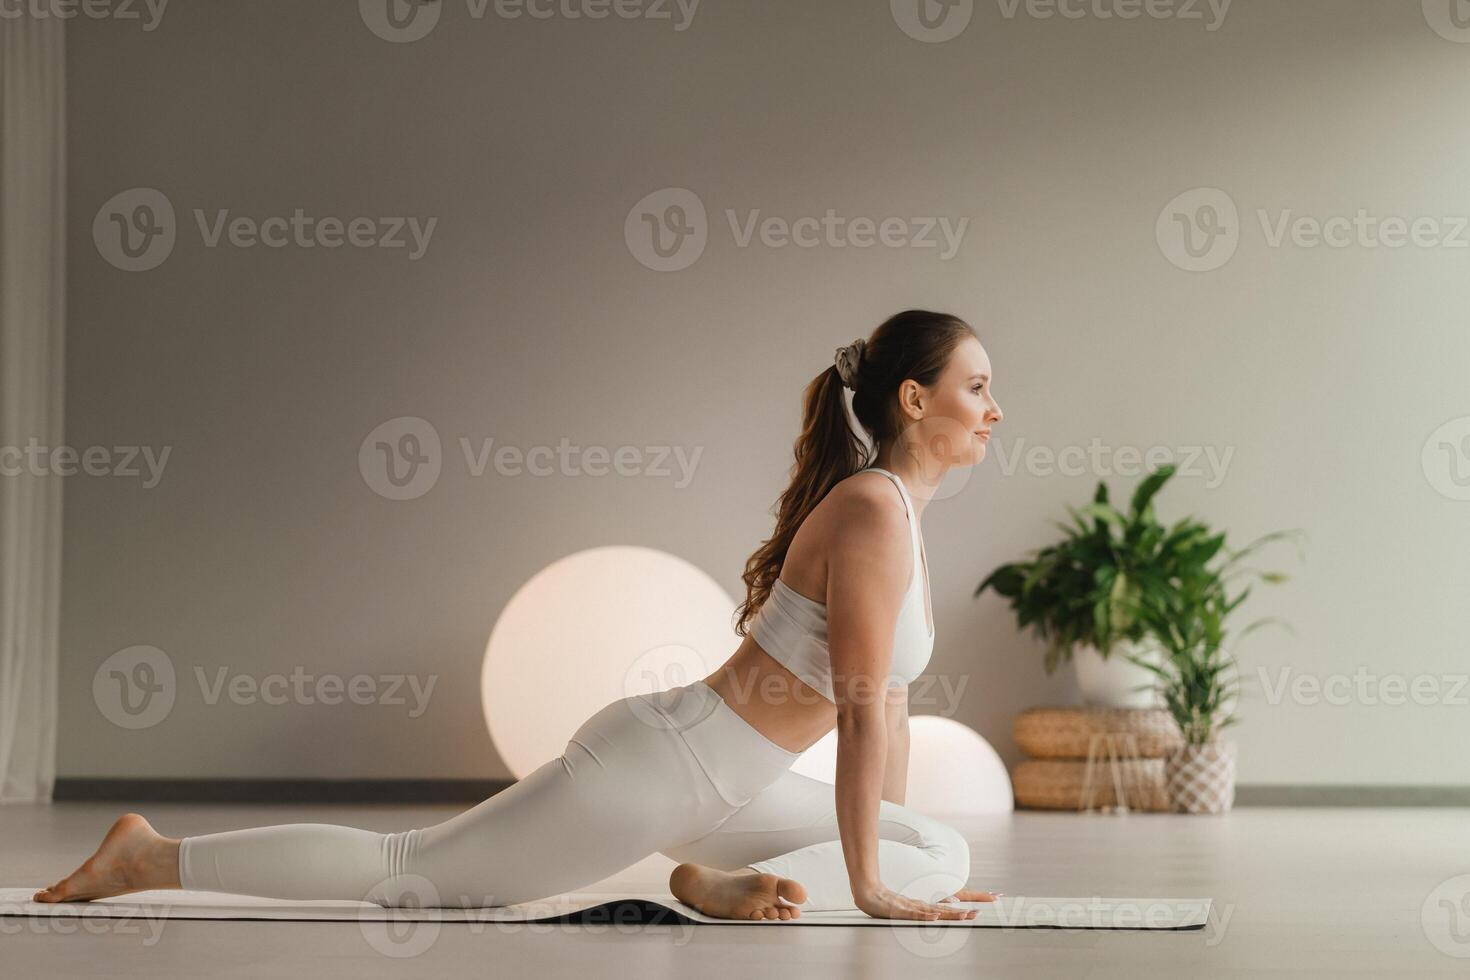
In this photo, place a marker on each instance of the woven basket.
(1050, 784)
(1064, 733)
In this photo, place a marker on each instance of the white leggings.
(676, 772)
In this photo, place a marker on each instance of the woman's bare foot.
(133, 857)
(743, 894)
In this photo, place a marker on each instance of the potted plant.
(1196, 680)
(1080, 594)
(1094, 590)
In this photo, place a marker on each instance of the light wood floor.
(1347, 892)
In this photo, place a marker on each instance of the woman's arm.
(867, 575)
(866, 571)
(896, 767)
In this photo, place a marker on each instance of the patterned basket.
(1053, 784)
(1065, 733)
(1201, 778)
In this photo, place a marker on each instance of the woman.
(701, 773)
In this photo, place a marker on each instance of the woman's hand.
(881, 902)
(972, 895)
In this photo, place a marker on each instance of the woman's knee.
(955, 851)
(947, 868)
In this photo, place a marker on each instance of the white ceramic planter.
(1111, 682)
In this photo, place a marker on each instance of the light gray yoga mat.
(1009, 912)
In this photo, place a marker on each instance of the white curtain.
(32, 332)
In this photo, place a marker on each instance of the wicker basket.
(1052, 784)
(1065, 733)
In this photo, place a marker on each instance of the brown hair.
(913, 344)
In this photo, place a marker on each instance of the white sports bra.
(793, 628)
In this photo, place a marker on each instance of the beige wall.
(1317, 374)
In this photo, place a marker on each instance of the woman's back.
(786, 690)
(792, 624)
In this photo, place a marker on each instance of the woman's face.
(961, 407)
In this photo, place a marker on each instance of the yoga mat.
(1013, 912)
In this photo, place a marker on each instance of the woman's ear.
(911, 398)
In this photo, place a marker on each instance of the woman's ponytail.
(913, 344)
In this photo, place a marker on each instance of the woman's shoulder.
(866, 505)
(867, 493)
(859, 518)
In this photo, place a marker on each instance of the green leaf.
(1149, 487)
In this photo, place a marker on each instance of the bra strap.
(909, 510)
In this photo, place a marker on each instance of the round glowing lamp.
(589, 629)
